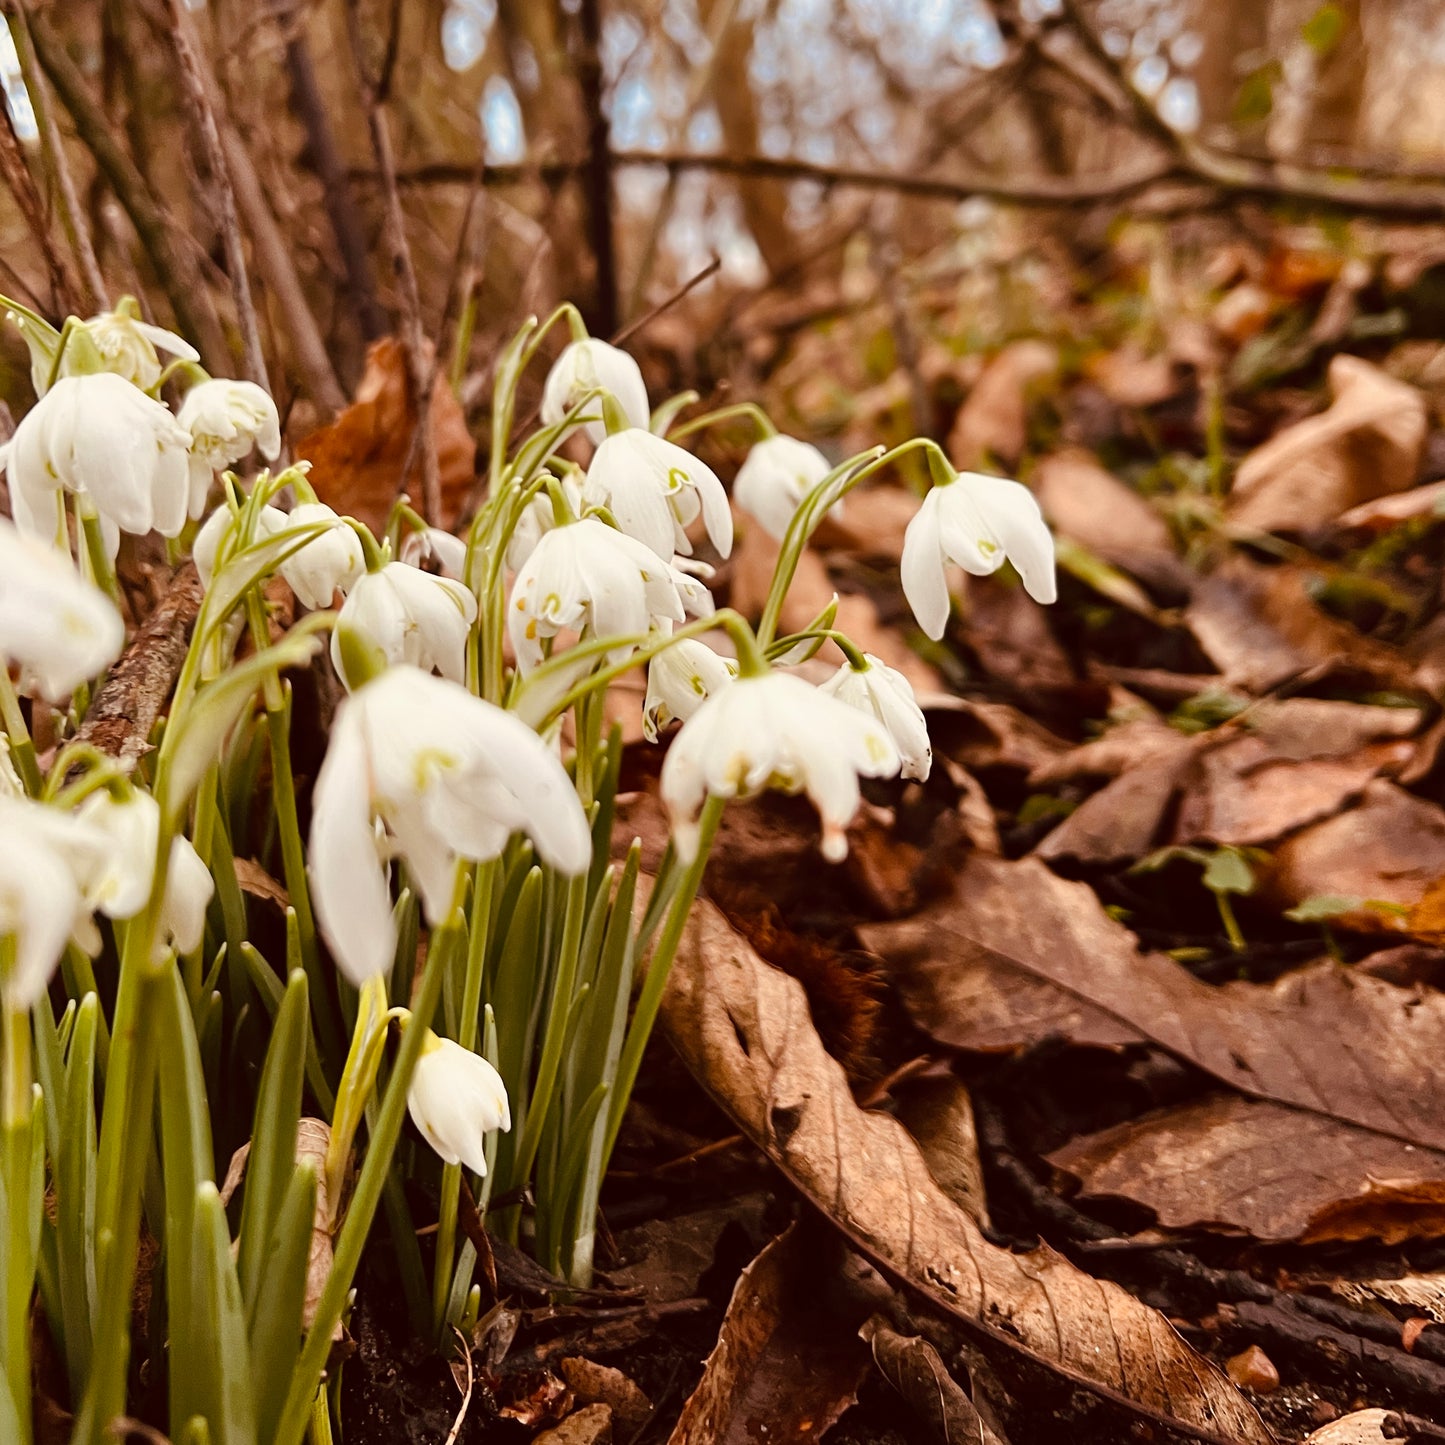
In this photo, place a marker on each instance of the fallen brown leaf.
(914, 1368)
(1366, 444)
(992, 425)
(1269, 1171)
(1094, 508)
(1364, 1427)
(1342, 1045)
(357, 460)
(1260, 626)
(788, 1361)
(743, 1030)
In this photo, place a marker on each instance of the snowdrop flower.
(269, 521)
(224, 420)
(691, 579)
(584, 366)
(772, 482)
(100, 436)
(774, 731)
(654, 489)
(60, 629)
(456, 1099)
(588, 577)
(884, 693)
(679, 681)
(412, 617)
(449, 776)
(121, 886)
(977, 522)
(449, 552)
(45, 856)
(330, 563)
(128, 347)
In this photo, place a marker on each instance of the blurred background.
(1114, 219)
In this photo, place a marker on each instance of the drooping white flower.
(679, 681)
(539, 517)
(103, 437)
(587, 577)
(977, 522)
(204, 550)
(691, 579)
(447, 550)
(224, 420)
(582, 367)
(654, 489)
(883, 692)
(327, 564)
(128, 347)
(775, 477)
(774, 731)
(449, 776)
(46, 857)
(60, 629)
(121, 886)
(456, 1099)
(413, 617)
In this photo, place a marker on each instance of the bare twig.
(466, 1404)
(668, 302)
(172, 255)
(200, 90)
(64, 289)
(310, 107)
(420, 359)
(597, 174)
(77, 231)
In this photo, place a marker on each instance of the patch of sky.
(504, 138)
(466, 24)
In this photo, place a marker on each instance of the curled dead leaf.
(914, 1368)
(744, 1031)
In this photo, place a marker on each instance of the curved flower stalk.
(224, 419)
(655, 490)
(977, 522)
(774, 731)
(884, 693)
(410, 617)
(449, 776)
(593, 580)
(58, 628)
(775, 477)
(102, 439)
(586, 366)
(456, 1099)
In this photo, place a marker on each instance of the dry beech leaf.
(788, 1361)
(1323, 1039)
(744, 1031)
(1269, 1171)
(357, 460)
(1010, 634)
(992, 425)
(939, 1115)
(1390, 847)
(1260, 626)
(1386, 512)
(1365, 445)
(914, 1368)
(1364, 1427)
(1423, 1293)
(1094, 508)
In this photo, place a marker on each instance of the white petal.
(921, 570)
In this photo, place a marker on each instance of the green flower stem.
(467, 1027)
(836, 485)
(845, 644)
(369, 1184)
(126, 1131)
(22, 750)
(17, 1113)
(749, 409)
(102, 571)
(649, 998)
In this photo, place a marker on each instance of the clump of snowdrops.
(458, 942)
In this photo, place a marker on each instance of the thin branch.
(64, 288)
(597, 174)
(200, 91)
(72, 216)
(420, 359)
(171, 253)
